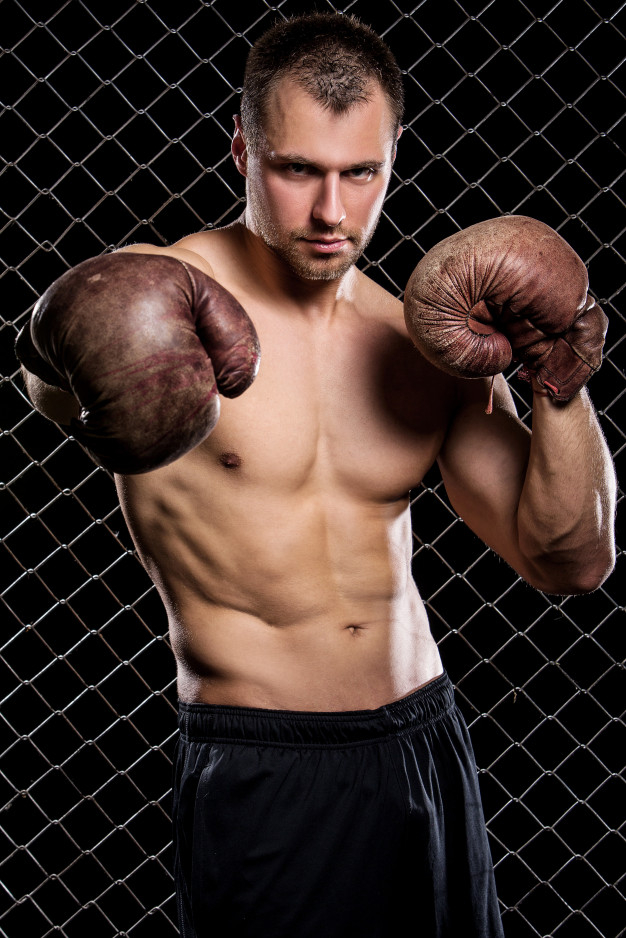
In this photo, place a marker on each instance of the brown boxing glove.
(144, 342)
(507, 289)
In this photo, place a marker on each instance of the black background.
(115, 127)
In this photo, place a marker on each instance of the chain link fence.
(115, 127)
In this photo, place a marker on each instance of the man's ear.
(238, 147)
(395, 146)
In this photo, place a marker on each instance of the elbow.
(599, 571)
(572, 576)
(585, 581)
(572, 560)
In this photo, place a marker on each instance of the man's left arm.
(544, 501)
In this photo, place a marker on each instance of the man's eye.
(299, 169)
(362, 172)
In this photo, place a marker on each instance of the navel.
(230, 460)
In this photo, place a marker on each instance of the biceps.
(483, 465)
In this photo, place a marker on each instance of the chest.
(351, 405)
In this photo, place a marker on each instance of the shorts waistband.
(200, 722)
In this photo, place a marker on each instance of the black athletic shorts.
(364, 824)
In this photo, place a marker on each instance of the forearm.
(567, 505)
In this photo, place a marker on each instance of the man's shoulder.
(206, 250)
(210, 244)
(376, 302)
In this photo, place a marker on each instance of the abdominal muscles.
(300, 602)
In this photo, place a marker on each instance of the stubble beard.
(287, 246)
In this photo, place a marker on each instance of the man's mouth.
(327, 245)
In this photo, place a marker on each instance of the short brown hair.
(334, 57)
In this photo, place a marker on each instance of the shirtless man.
(325, 783)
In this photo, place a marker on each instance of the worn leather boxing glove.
(507, 289)
(144, 342)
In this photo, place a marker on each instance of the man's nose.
(328, 207)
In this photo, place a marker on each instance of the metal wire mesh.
(115, 127)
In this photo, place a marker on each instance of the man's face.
(317, 181)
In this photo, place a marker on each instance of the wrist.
(538, 390)
(543, 392)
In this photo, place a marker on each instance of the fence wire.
(115, 127)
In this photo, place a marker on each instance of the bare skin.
(281, 546)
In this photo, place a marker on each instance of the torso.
(282, 545)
